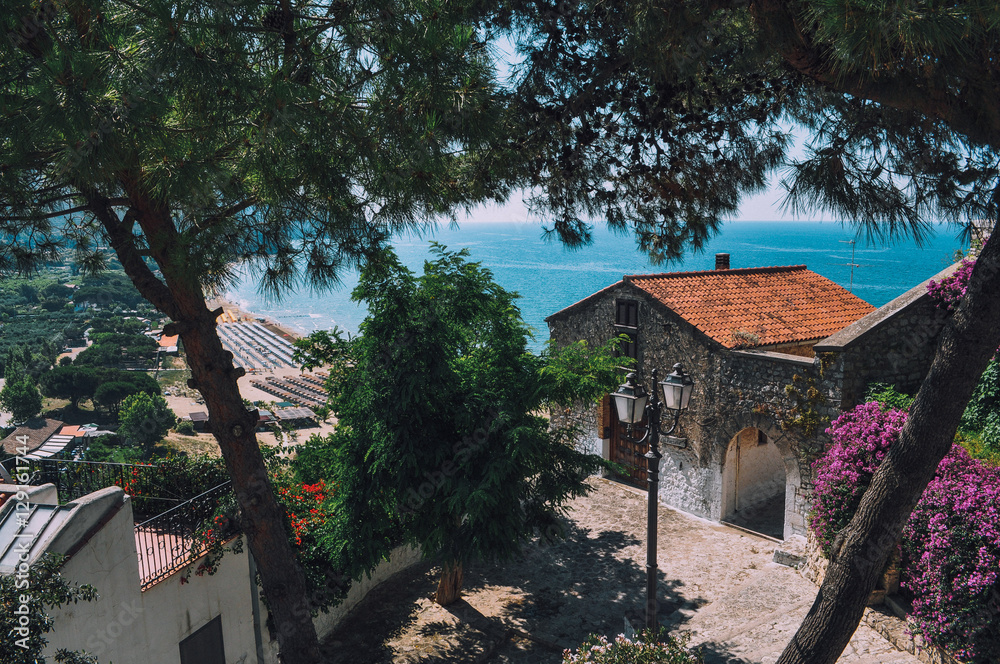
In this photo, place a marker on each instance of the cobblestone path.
(715, 582)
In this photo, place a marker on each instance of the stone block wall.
(894, 344)
(898, 352)
(790, 397)
(734, 390)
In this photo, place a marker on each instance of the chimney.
(722, 261)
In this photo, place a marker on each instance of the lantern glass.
(630, 401)
(677, 389)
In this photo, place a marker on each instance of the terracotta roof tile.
(777, 304)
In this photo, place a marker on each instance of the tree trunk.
(968, 342)
(449, 588)
(261, 517)
(180, 296)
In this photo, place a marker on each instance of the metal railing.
(173, 539)
(153, 488)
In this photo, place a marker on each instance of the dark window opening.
(627, 313)
(628, 348)
(205, 645)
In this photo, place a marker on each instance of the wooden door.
(629, 454)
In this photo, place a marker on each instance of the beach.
(184, 401)
(235, 313)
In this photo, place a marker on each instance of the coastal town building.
(156, 602)
(775, 352)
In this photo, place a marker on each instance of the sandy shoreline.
(233, 310)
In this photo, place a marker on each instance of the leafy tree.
(111, 395)
(107, 290)
(117, 325)
(20, 397)
(144, 420)
(438, 437)
(28, 292)
(69, 382)
(78, 383)
(56, 291)
(49, 589)
(97, 355)
(73, 332)
(643, 114)
(192, 137)
(113, 349)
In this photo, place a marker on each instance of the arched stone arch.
(785, 447)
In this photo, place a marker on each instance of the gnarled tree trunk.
(180, 296)
(968, 342)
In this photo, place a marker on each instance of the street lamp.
(632, 402)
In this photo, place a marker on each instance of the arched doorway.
(753, 484)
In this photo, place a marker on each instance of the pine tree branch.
(971, 112)
(58, 213)
(123, 242)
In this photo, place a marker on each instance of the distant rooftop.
(37, 431)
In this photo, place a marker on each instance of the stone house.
(775, 352)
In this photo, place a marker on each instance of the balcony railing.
(153, 488)
(168, 518)
(169, 541)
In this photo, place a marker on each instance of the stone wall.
(770, 391)
(734, 390)
(894, 344)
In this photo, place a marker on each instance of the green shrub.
(973, 443)
(645, 648)
(888, 397)
(185, 427)
(111, 449)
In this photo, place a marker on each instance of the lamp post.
(632, 402)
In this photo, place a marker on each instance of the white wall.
(175, 610)
(113, 626)
(688, 486)
(128, 626)
(752, 474)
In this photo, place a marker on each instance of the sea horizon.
(548, 277)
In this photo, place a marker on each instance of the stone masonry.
(790, 398)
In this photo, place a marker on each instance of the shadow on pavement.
(526, 610)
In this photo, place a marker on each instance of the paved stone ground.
(715, 582)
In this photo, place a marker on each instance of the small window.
(627, 313)
(205, 645)
(628, 348)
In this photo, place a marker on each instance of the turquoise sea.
(550, 277)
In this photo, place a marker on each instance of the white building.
(151, 609)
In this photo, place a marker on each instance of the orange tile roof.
(167, 342)
(778, 304)
(70, 431)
